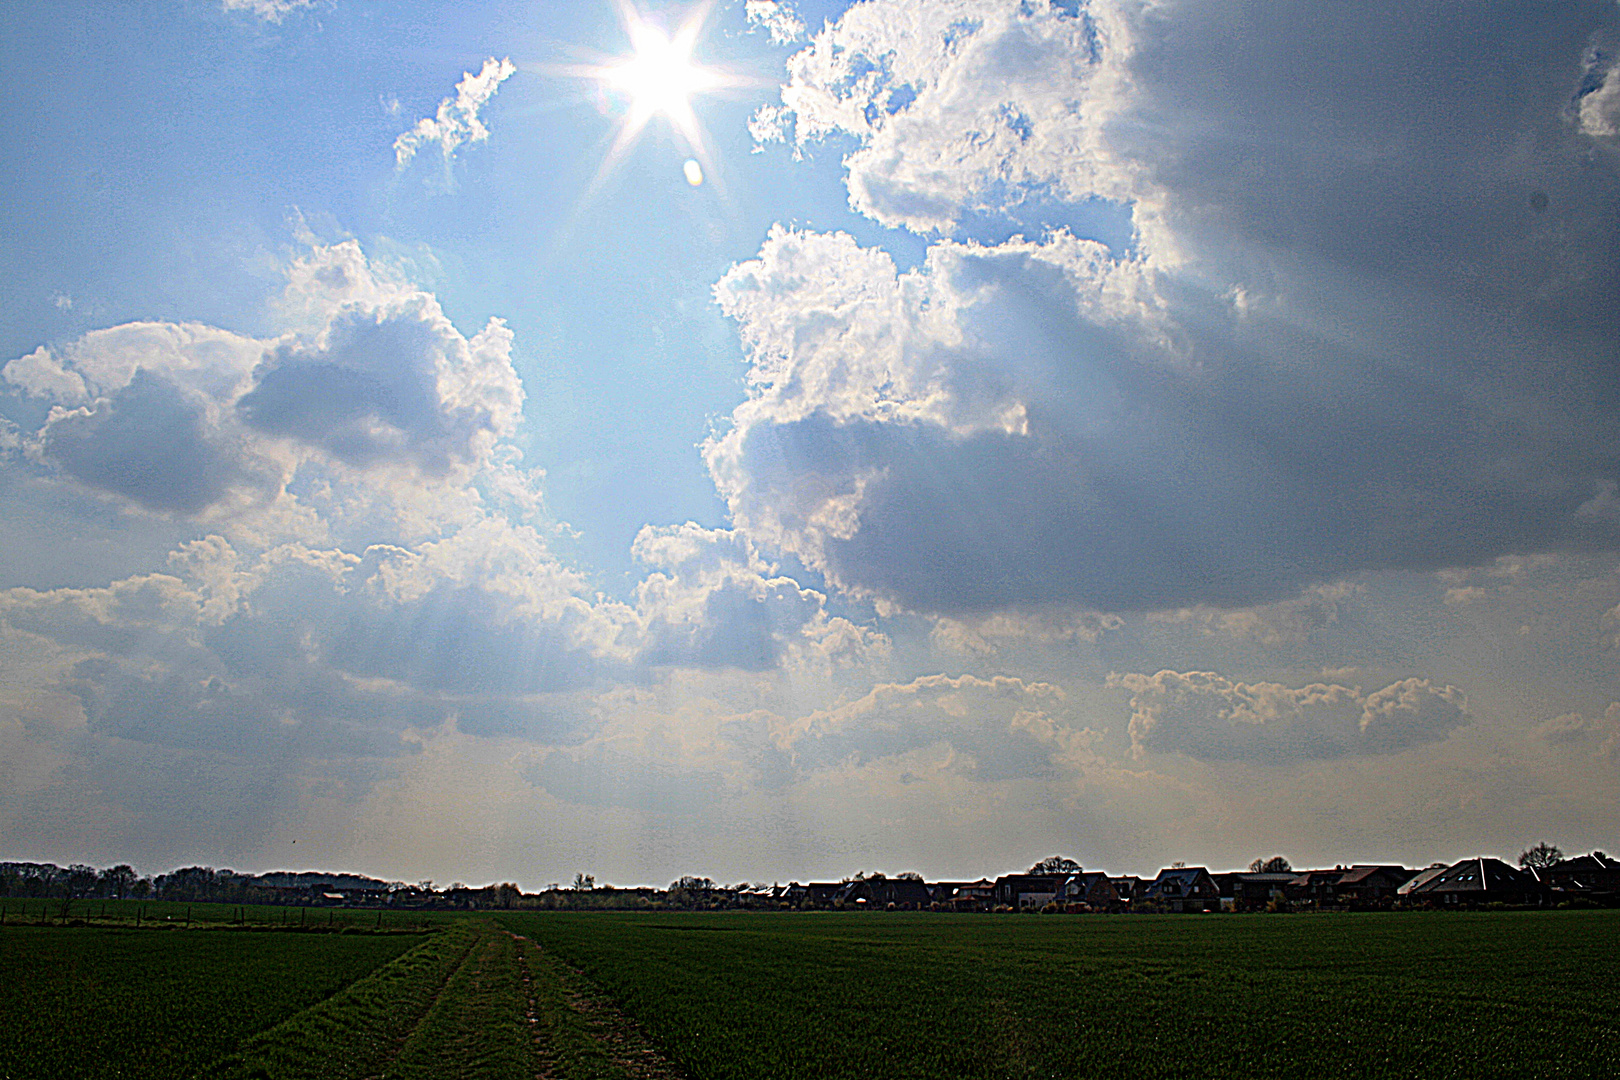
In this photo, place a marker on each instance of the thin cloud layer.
(1358, 330)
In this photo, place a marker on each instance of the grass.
(78, 1002)
(825, 995)
(474, 1002)
(573, 996)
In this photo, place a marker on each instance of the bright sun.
(659, 78)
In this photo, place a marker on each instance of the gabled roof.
(1421, 879)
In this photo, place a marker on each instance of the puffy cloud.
(394, 384)
(1600, 103)
(776, 16)
(456, 121)
(995, 729)
(190, 419)
(1360, 327)
(710, 601)
(960, 105)
(1205, 715)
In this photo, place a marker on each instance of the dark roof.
(1586, 863)
(1358, 874)
(1477, 876)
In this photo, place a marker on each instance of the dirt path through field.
(608, 1042)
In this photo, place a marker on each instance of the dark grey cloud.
(1369, 324)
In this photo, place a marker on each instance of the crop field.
(593, 996)
(78, 1001)
(250, 1000)
(38, 912)
(897, 995)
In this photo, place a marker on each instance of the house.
(817, 894)
(964, 895)
(1092, 891)
(1594, 875)
(1022, 892)
(1244, 891)
(1127, 887)
(1371, 886)
(1318, 887)
(1479, 881)
(903, 894)
(1418, 880)
(1183, 888)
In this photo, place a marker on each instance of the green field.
(896, 995)
(712, 996)
(37, 912)
(158, 1003)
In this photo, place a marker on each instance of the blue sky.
(1146, 432)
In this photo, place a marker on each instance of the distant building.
(1183, 888)
(1024, 891)
(1245, 891)
(1595, 875)
(1371, 886)
(1479, 881)
(1092, 890)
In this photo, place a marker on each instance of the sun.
(658, 78)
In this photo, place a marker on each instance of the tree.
(1274, 865)
(584, 882)
(507, 894)
(1540, 857)
(118, 880)
(1055, 864)
(909, 875)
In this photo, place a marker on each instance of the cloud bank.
(1358, 327)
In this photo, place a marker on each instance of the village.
(1054, 886)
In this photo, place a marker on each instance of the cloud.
(994, 729)
(1205, 715)
(709, 601)
(457, 120)
(1357, 328)
(199, 421)
(1601, 734)
(778, 17)
(268, 10)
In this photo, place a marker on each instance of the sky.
(768, 440)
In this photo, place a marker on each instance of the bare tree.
(1274, 865)
(1540, 857)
